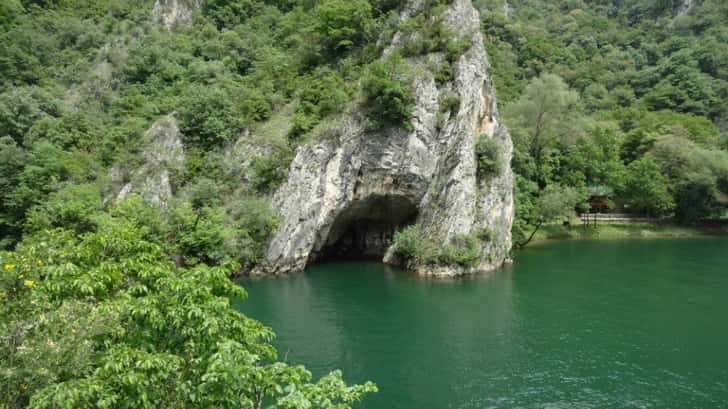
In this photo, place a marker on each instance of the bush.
(322, 95)
(148, 220)
(489, 157)
(412, 247)
(387, 90)
(456, 48)
(463, 250)
(104, 318)
(342, 24)
(202, 236)
(484, 234)
(208, 116)
(450, 102)
(254, 221)
(75, 207)
(268, 172)
(444, 73)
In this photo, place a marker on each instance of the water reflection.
(623, 324)
(363, 316)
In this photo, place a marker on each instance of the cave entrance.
(365, 229)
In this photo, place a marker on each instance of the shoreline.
(619, 231)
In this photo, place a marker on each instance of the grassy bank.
(624, 231)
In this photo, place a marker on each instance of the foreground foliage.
(105, 320)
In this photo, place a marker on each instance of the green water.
(618, 324)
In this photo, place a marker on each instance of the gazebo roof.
(599, 190)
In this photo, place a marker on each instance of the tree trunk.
(525, 243)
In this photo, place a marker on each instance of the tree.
(594, 160)
(46, 169)
(229, 13)
(208, 115)
(524, 194)
(342, 24)
(75, 207)
(645, 188)
(540, 118)
(553, 203)
(696, 176)
(106, 320)
(12, 161)
(22, 107)
(557, 202)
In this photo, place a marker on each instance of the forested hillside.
(625, 97)
(628, 97)
(83, 81)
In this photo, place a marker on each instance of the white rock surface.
(172, 13)
(163, 153)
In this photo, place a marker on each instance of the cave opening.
(365, 229)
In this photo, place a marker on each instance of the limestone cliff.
(162, 154)
(687, 7)
(351, 191)
(172, 13)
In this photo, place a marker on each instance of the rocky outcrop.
(687, 7)
(173, 13)
(507, 9)
(100, 83)
(354, 189)
(163, 153)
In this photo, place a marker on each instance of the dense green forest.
(627, 97)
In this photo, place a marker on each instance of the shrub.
(484, 234)
(75, 207)
(444, 73)
(387, 90)
(322, 95)
(456, 48)
(268, 172)
(113, 320)
(450, 102)
(488, 155)
(254, 220)
(207, 115)
(412, 247)
(342, 24)
(463, 250)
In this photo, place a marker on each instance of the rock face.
(163, 153)
(687, 7)
(507, 8)
(349, 194)
(172, 13)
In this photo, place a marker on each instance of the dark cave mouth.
(365, 229)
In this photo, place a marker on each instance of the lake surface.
(590, 324)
